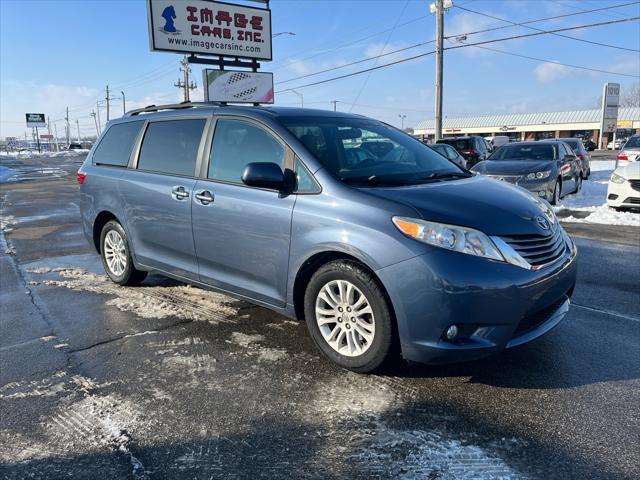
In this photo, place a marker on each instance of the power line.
(545, 31)
(580, 67)
(359, 72)
(555, 17)
(366, 80)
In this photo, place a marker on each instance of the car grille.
(538, 250)
(635, 184)
(506, 178)
(632, 200)
(534, 319)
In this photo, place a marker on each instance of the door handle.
(205, 197)
(179, 192)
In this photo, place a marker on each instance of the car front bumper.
(494, 305)
(622, 195)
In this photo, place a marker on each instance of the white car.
(624, 187)
(630, 151)
(615, 145)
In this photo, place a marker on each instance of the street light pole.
(402, 117)
(282, 33)
(124, 104)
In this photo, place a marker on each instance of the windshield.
(458, 143)
(633, 142)
(370, 152)
(524, 152)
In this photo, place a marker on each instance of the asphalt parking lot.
(170, 381)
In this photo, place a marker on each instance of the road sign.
(209, 28)
(237, 86)
(36, 120)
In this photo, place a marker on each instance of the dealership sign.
(237, 86)
(209, 28)
(610, 103)
(36, 120)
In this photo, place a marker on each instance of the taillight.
(580, 156)
(622, 156)
(80, 177)
(473, 153)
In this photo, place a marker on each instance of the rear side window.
(171, 147)
(237, 143)
(116, 145)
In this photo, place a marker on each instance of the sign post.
(241, 33)
(36, 120)
(609, 114)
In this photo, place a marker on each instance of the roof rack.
(171, 106)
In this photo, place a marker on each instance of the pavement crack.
(607, 312)
(129, 335)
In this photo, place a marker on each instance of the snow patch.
(183, 302)
(251, 344)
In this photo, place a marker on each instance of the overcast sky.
(55, 54)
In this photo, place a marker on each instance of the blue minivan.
(380, 244)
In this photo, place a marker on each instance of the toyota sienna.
(380, 244)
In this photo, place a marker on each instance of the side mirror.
(264, 175)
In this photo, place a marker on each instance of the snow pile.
(593, 199)
(184, 302)
(35, 154)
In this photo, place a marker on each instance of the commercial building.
(535, 126)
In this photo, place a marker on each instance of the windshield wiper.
(442, 176)
(374, 180)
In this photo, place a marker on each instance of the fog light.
(542, 193)
(451, 332)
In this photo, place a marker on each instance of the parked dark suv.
(381, 244)
(474, 149)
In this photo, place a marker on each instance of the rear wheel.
(116, 256)
(348, 316)
(578, 184)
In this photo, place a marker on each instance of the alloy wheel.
(345, 318)
(115, 253)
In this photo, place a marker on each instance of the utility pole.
(438, 9)
(98, 114)
(93, 114)
(55, 130)
(67, 130)
(107, 98)
(78, 128)
(124, 104)
(334, 105)
(185, 85)
(402, 117)
(49, 132)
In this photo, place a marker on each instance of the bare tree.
(630, 95)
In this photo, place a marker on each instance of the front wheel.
(116, 256)
(348, 316)
(556, 193)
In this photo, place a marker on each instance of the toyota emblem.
(542, 222)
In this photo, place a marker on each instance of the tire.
(116, 256)
(556, 193)
(361, 345)
(578, 184)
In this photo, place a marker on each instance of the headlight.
(450, 237)
(538, 175)
(617, 178)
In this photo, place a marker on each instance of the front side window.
(116, 145)
(305, 183)
(363, 151)
(237, 143)
(172, 147)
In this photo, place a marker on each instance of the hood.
(488, 205)
(630, 172)
(512, 167)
